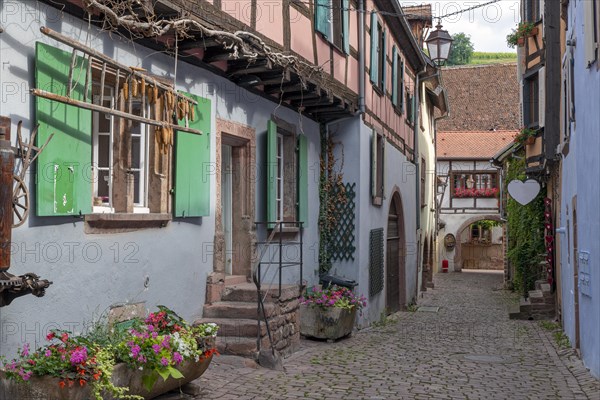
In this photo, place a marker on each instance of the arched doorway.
(395, 281)
(465, 252)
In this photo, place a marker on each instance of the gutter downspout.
(361, 57)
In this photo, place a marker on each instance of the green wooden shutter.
(374, 164)
(193, 169)
(384, 60)
(401, 94)
(374, 49)
(322, 21)
(303, 180)
(346, 25)
(383, 151)
(394, 76)
(271, 172)
(64, 177)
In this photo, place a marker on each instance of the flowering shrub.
(333, 296)
(157, 345)
(482, 193)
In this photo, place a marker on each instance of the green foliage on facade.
(331, 193)
(525, 232)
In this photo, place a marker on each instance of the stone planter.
(47, 388)
(326, 323)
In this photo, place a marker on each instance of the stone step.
(246, 292)
(236, 326)
(546, 288)
(536, 296)
(236, 310)
(235, 279)
(240, 346)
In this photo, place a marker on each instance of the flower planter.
(521, 41)
(533, 32)
(326, 323)
(47, 387)
(530, 140)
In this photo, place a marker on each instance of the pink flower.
(79, 356)
(164, 361)
(156, 348)
(25, 351)
(177, 357)
(48, 353)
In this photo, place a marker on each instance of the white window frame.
(95, 146)
(140, 207)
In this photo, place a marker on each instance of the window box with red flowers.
(478, 193)
(151, 357)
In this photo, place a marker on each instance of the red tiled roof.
(471, 145)
(481, 98)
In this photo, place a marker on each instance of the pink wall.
(301, 40)
(269, 19)
(270, 23)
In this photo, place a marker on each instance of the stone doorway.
(234, 208)
(395, 280)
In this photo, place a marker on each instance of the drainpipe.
(361, 56)
(417, 123)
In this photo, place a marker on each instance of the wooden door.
(395, 271)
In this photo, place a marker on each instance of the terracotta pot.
(326, 323)
(533, 32)
(530, 140)
(521, 41)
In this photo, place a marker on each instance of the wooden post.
(7, 163)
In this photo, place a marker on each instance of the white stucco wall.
(96, 271)
(580, 172)
(355, 138)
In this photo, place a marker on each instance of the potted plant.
(526, 136)
(329, 313)
(517, 36)
(123, 363)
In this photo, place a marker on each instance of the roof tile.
(474, 145)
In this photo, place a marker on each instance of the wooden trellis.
(342, 246)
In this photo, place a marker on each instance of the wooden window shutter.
(589, 38)
(346, 25)
(193, 170)
(374, 49)
(382, 167)
(401, 94)
(303, 180)
(64, 174)
(374, 164)
(394, 76)
(271, 172)
(322, 17)
(383, 60)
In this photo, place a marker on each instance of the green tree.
(462, 50)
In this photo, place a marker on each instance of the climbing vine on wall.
(332, 192)
(525, 232)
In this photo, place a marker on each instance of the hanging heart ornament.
(524, 192)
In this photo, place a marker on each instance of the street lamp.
(438, 45)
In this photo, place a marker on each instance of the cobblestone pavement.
(469, 349)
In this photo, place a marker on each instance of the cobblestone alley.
(469, 349)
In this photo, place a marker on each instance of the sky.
(487, 26)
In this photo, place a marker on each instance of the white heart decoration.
(524, 192)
